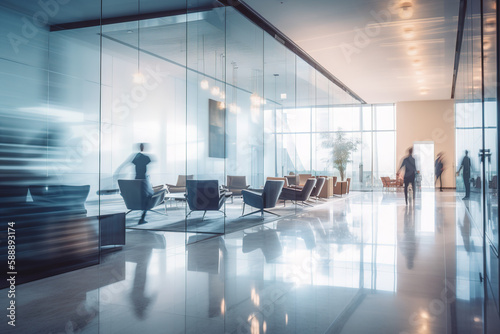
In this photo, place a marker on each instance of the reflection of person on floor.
(146, 241)
(410, 170)
(438, 170)
(409, 244)
(466, 165)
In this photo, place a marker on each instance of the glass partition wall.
(208, 93)
(476, 121)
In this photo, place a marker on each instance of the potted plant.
(341, 148)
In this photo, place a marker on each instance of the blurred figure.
(141, 162)
(438, 170)
(466, 165)
(410, 171)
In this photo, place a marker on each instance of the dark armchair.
(139, 195)
(299, 195)
(180, 186)
(204, 195)
(263, 200)
(320, 182)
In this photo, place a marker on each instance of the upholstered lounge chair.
(204, 195)
(299, 195)
(180, 186)
(266, 199)
(139, 195)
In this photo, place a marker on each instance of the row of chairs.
(206, 195)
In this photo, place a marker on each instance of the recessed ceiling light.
(490, 24)
(416, 62)
(419, 72)
(408, 32)
(424, 90)
(420, 80)
(405, 10)
(486, 44)
(412, 50)
(129, 31)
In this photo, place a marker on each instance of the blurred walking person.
(410, 171)
(466, 165)
(438, 170)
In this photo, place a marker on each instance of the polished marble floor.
(366, 264)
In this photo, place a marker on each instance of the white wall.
(428, 121)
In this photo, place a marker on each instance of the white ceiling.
(382, 52)
(370, 45)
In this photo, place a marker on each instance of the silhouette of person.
(466, 165)
(410, 170)
(438, 170)
(141, 162)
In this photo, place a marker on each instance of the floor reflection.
(368, 263)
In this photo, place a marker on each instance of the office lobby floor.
(365, 264)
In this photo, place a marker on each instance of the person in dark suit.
(466, 165)
(410, 171)
(438, 170)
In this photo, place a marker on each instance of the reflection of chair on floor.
(266, 199)
(204, 195)
(139, 195)
(299, 195)
(267, 240)
(236, 184)
(180, 186)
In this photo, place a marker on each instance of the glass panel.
(207, 123)
(49, 142)
(491, 126)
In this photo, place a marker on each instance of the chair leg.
(189, 213)
(222, 213)
(243, 212)
(306, 204)
(272, 213)
(204, 213)
(129, 211)
(250, 213)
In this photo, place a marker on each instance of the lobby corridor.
(366, 264)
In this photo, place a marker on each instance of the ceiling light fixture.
(408, 32)
(489, 25)
(419, 72)
(417, 62)
(424, 90)
(204, 82)
(138, 77)
(405, 10)
(412, 50)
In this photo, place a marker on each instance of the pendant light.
(138, 76)
(204, 82)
